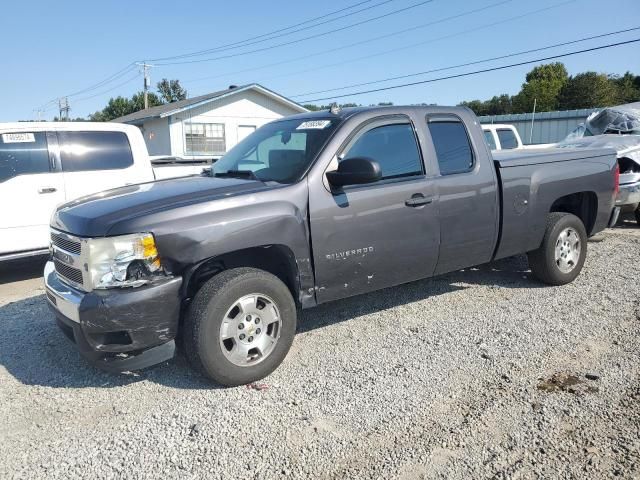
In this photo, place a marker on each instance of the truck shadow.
(512, 272)
(24, 269)
(35, 352)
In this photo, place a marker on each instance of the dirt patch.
(568, 382)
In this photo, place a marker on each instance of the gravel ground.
(476, 374)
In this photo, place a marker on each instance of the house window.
(204, 138)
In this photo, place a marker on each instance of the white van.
(45, 164)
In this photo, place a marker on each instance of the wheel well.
(583, 205)
(278, 260)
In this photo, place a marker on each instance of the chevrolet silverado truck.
(310, 209)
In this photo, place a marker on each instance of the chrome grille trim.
(66, 244)
(70, 259)
(68, 273)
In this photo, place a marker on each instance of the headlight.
(123, 261)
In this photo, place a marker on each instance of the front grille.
(68, 272)
(66, 244)
(51, 298)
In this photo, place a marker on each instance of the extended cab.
(306, 210)
(43, 165)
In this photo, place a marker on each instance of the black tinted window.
(507, 139)
(394, 147)
(452, 146)
(23, 154)
(488, 136)
(82, 151)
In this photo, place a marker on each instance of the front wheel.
(560, 257)
(240, 326)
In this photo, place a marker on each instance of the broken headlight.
(123, 261)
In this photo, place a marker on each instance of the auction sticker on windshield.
(18, 138)
(314, 124)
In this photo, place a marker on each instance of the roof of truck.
(65, 126)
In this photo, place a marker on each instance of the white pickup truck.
(501, 136)
(45, 164)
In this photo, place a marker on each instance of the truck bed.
(529, 178)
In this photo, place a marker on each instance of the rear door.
(30, 189)
(376, 235)
(93, 161)
(467, 194)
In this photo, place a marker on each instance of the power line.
(476, 72)
(425, 42)
(129, 80)
(109, 79)
(291, 42)
(369, 40)
(388, 79)
(260, 38)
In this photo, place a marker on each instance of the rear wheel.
(240, 326)
(637, 213)
(560, 257)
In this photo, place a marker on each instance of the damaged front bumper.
(118, 329)
(629, 196)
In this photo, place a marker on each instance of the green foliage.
(543, 87)
(553, 89)
(121, 106)
(171, 90)
(586, 90)
(315, 108)
(627, 86)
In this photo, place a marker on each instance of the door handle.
(47, 190)
(418, 200)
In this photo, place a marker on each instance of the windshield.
(279, 151)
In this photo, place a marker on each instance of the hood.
(624, 145)
(94, 215)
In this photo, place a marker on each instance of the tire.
(637, 214)
(560, 269)
(218, 317)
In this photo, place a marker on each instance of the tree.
(628, 87)
(171, 90)
(542, 86)
(477, 106)
(588, 90)
(121, 106)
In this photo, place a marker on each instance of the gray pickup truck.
(306, 210)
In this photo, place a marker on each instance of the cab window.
(393, 146)
(24, 153)
(452, 145)
(86, 151)
(488, 136)
(507, 139)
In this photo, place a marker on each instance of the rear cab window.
(507, 139)
(488, 136)
(23, 153)
(89, 151)
(390, 143)
(452, 144)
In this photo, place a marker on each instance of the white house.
(208, 125)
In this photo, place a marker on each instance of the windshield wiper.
(237, 174)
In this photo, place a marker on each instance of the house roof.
(168, 109)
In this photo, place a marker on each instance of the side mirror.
(355, 171)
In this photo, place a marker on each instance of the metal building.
(548, 127)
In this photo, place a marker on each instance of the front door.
(372, 236)
(30, 190)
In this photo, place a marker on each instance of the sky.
(85, 49)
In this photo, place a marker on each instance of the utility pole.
(533, 116)
(63, 108)
(147, 81)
